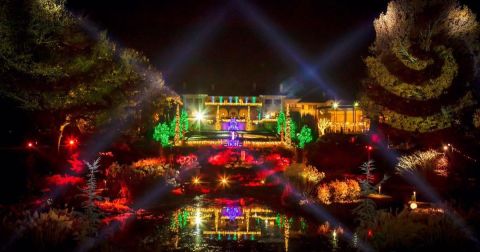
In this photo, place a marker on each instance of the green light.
(161, 134)
(304, 137)
(281, 122)
(254, 99)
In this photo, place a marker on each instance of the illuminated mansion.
(253, 112)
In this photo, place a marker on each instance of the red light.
(369, 148)
(71, 142)
(370, 233)
(30, 145)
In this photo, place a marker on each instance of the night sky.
(202, 46)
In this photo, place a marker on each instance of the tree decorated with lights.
(183, 123)
(55, 64)
(162, 134)
(322, 125)
(304, 137)
(281, 122)
(293, 129)
(178, 133)
(423, 64)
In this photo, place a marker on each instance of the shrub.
(338, 191)
(45, 230)
(323, 193)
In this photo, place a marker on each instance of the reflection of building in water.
(238, 223)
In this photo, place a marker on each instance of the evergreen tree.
(293, 130)
(91, 194)
(281, 122)
(304, 137)
(54, 64)
(183, 122)
(162, 133)
(423, 64)
(366, 211)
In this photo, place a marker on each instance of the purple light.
(232, 212)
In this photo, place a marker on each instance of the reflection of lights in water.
(355, 240)
(286, 232)
(334, 239)
(206, 224)
(198, 218)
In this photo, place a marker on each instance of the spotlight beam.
(427, 191)
(174, 59)
(321, 214)
(269, 32)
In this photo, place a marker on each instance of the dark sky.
(201, 43)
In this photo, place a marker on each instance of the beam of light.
(268, 30)
(156, 193)
(319, 212)
(108, 133)
(335, 52)
(173, 60)
(419, 182)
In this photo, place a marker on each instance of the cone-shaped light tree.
(423, 64)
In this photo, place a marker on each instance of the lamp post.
(199, 117)
(335, 106)
(355, 105)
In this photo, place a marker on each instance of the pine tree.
(423, 64)
(281, 122)
(90, 193)
(183, 123)
(53, 64)
(366, 211)
(293, 130)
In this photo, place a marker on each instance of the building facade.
(252, 111)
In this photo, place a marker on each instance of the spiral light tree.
(423, 66)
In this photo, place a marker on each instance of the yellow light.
(196, 180)
(355, 104)
(413, 205)
(335, 105)
(224, 181)
(199, 116)
(445, 147)
(198, 218)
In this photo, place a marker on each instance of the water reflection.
(195, 227)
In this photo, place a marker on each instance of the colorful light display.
(232, 212)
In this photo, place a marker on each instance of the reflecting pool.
(219, 224)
